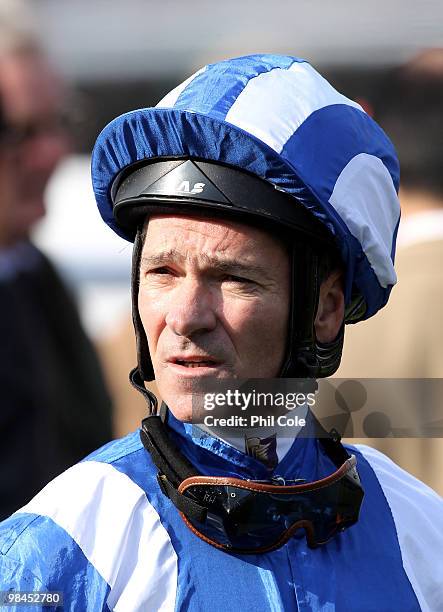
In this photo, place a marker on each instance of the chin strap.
(137, 381)
(145, 369)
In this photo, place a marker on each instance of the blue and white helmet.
(276, 118)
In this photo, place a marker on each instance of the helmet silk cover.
(277, 117)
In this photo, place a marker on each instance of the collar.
(212, 456)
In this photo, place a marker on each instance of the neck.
(268, 442)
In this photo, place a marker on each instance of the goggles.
(248, 517)
(251, 517)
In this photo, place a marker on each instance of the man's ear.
(331, 308)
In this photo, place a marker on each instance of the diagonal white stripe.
(274, 104)
(365, 198)
(418, 516)
(171, 98)
(119, 532)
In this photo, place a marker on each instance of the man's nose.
(192, 310)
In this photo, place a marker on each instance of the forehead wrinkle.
(170, 255)
(214, 262)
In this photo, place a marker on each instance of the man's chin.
(184, 395)
(182, 410)
(186, 406)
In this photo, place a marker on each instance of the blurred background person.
(54, 408)
(406, 340)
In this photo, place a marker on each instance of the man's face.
(214, 302)
(34, 142)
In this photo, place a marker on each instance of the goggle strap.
(331, 442)
(334, 448)
(184, 504)
(164, 452)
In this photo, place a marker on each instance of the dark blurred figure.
(410, 329)
(54, 408)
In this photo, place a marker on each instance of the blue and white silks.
(279, 118)
(102, 532)
(105, 535)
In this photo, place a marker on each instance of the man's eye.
(161, 271)
(231, 278)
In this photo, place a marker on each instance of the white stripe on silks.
(119, 532)
(171, 98)
(417, 511)
(365, 198)
(274, 104)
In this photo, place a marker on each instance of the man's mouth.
(195, 362)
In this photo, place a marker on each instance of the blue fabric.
(361, 569)
(163, 132)
(212, 456)
(307, 167)
(207, 93)
(309, 148)
(310, 145)
(150, 133)
(34, 556)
